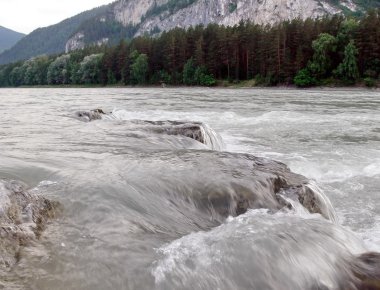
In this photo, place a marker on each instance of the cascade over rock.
(224, 183)
(194, 130)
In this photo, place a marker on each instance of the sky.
(26, 15)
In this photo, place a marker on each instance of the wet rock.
(192, 130)
(223, 184)
(366, 268)
(88, 116)
(195, 130)
(227, 183)
(272, 251)
(23, 217)
(264, 183)
(309, 196)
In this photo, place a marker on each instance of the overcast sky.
(26, 15)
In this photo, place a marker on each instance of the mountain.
(8, 38)
(130, 18)
(154, 16)
(48, 40)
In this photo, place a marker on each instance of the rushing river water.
(126, 222)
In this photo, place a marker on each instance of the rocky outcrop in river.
(23, 217)
(194, 130)
(222, 184)
(229, 220)
(261, 183)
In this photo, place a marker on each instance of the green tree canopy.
(58, 73)
(323, 46)
(348, 69)
(139, 68)
(189, 73)
(89, 69)
(304, 79)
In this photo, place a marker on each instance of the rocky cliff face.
(131, 12)
(225, 12)
(75, 42)
(162, 15)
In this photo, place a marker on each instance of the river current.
(130, 217)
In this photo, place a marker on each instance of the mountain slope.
(154, 16)
(131, 18)
(8, 38)
(48, 40)
(231, 12)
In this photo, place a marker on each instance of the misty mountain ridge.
(8, 38)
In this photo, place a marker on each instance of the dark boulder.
(88, 116)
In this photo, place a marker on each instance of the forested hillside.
(8, 38)
(48, 40)
(126, 19)
(333, 49)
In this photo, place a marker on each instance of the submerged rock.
(88, 116)
(255, 183)
(222, 184)
(195, 130)
(23, 217)
(271, 251)
(366, 269)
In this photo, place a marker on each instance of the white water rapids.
(125, 222)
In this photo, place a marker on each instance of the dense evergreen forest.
(331, 50)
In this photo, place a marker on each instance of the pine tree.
(189, 73)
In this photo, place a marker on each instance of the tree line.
(303, 52)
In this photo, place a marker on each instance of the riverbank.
(248, 84)
(252, 83)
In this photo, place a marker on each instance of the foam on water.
(210, 137)
(372, 236)
(162, 115)
(111, 226)
(319, 198)
(330, 171)
(280, 251)
(373, 169)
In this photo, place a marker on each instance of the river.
(123, 225)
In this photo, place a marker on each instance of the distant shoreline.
(231, 86)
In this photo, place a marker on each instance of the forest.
(337, 50)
